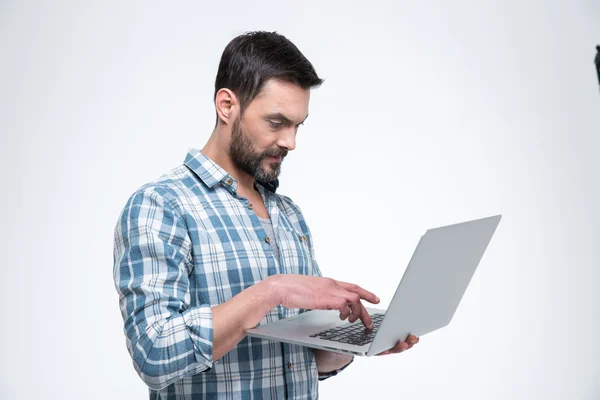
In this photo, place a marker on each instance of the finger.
(345, 312)
(412, 340)
(364, 294)
(399, 348)
(402, 346)
(332, 303)
(355, 314)
(364, 316)
(357, 307)
(385, 353)
(353, 317)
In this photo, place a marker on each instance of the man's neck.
(213, 151)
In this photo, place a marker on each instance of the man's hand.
(401, 346)
(318, 293)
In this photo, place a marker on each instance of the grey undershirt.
(268, 227)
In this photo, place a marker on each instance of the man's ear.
(227, 105)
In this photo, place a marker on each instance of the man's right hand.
(318, 293)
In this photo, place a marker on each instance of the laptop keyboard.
(355, 334)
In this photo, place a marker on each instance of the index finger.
(364, 316)
(356, 307)
(363, 293)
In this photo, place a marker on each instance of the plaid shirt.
(185, 243)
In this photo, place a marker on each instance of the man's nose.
(287, 140)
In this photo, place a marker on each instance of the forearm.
(328, 361)
(241, 312)
(157, 352)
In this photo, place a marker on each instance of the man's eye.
(275, 124)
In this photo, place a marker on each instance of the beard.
(244, 157)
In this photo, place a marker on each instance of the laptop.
(426, 298)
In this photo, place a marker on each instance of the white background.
(432, 113)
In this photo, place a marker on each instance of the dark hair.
(253, 58)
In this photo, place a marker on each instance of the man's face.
(262, 137)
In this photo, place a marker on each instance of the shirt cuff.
(327, 375)
(200, 328)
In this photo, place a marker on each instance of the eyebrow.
(283, 118)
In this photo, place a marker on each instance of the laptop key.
(355, 334)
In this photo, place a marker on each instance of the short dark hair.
(251, 59)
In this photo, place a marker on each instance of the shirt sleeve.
(326, 375)
(166, 337)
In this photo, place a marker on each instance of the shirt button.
(267, 240)
(289, 365)
(229, 182)
(250, 206)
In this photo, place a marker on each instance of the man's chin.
(267, 178)
(272, 167)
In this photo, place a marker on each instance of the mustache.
(275, 153)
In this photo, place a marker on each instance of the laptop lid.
(435, 281)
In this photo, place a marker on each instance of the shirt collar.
(212, 173)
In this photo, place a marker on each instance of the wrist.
(271, 288)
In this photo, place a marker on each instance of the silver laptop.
(431, 288)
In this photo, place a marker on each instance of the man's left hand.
(411, 340)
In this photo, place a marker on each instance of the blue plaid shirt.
(185, 243)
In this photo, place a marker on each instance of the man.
(210, 249)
